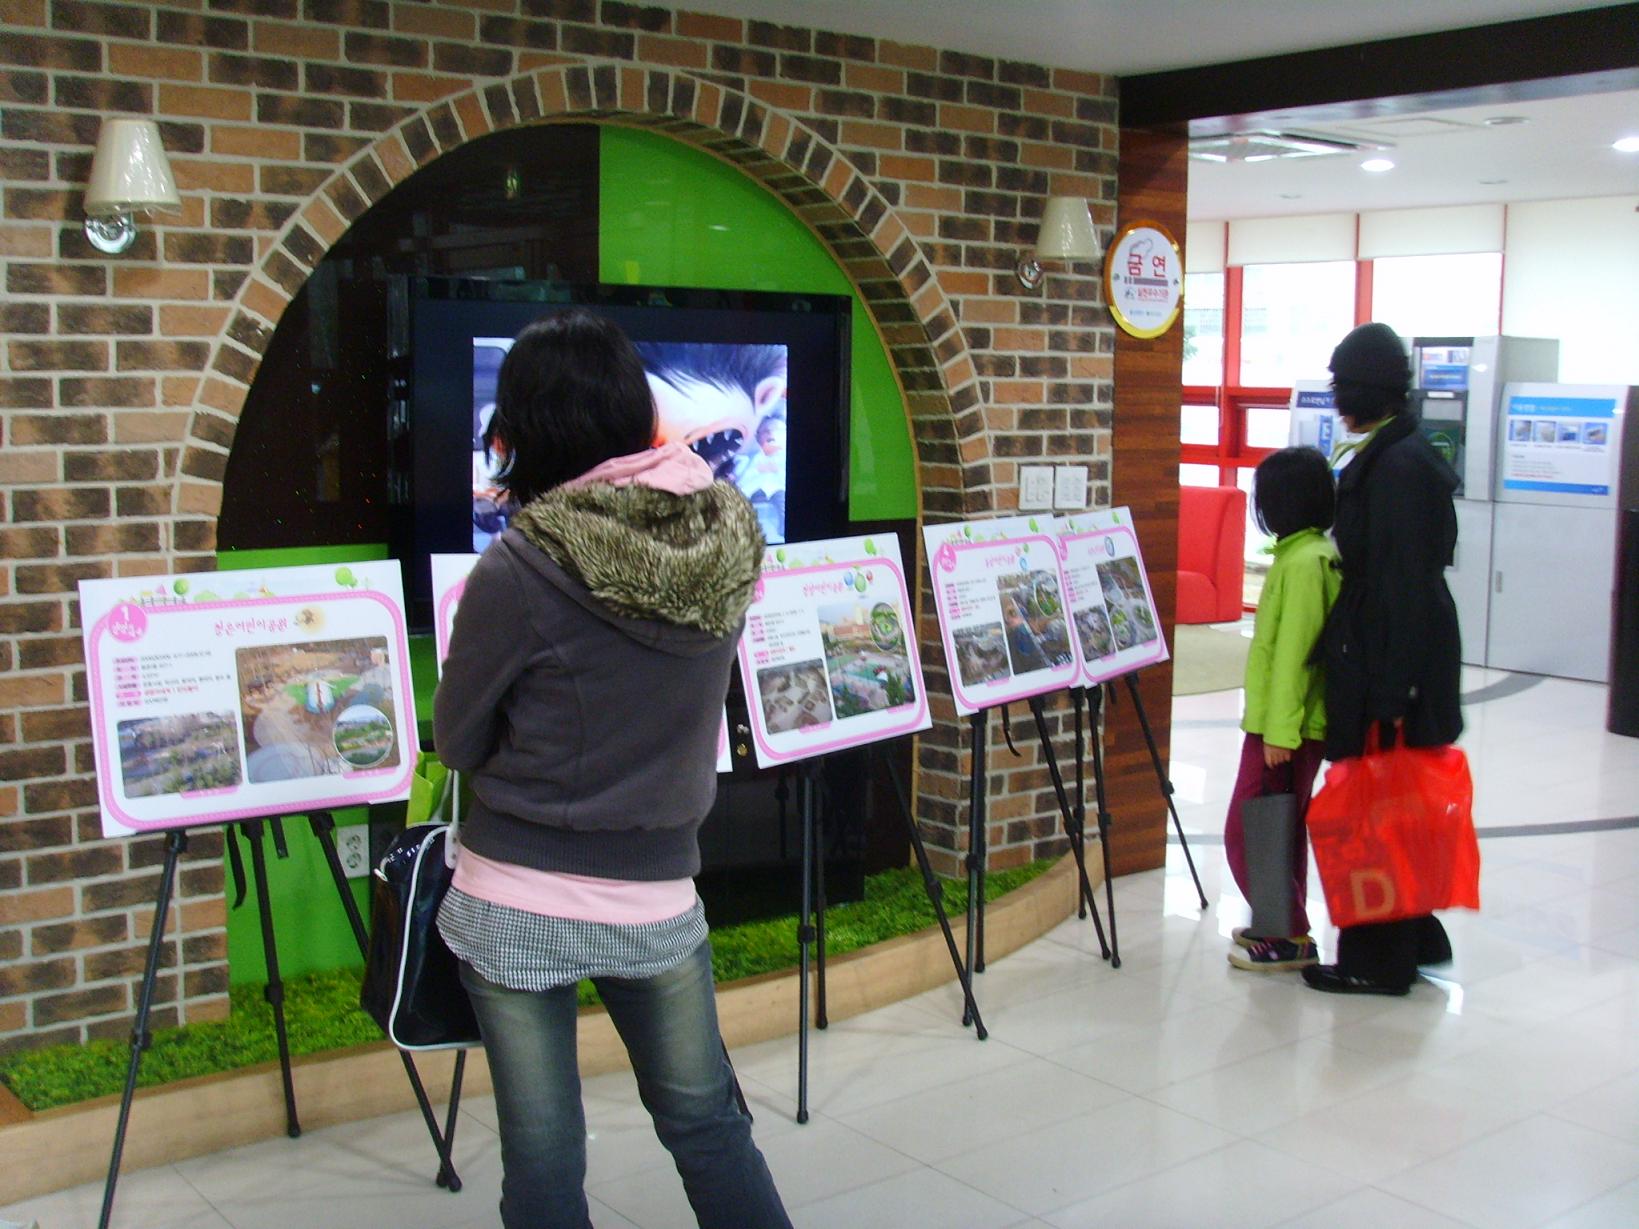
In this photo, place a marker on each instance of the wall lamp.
(129, 172)
(1066, 234)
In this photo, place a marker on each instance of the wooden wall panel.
(1153, 182)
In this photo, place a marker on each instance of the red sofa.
(1211, 553)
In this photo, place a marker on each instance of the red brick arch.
(819, 183)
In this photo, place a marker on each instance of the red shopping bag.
(1393, 833)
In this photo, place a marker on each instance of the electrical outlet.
(353, 847)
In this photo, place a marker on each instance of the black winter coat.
(1390, 647)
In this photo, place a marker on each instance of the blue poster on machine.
(1561, 440)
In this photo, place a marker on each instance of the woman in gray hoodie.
(582, 695)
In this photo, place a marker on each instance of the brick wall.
(284, 119)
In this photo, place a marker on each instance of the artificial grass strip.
(321, 1013)
(322, 1009)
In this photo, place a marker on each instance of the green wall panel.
(672, 215)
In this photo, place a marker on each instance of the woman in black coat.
(1391, 649)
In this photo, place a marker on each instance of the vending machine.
(1557, 491)
(1457, 384)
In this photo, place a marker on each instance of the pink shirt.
(580, 898)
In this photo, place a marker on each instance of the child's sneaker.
(1270, 955)
(1243, 937)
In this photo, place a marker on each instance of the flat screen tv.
(756, 383)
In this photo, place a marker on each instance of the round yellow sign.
(1144, 279)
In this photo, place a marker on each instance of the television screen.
(756, 383)
(726, 401)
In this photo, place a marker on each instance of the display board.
(829, 655)
(998, 588)
(231, 695)
(1108, 593)
(1560, 444)
(449, 576)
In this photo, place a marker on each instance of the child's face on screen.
(715, 422)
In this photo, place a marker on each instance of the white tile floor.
(1173, 1092)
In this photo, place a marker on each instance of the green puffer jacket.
(1285, 687)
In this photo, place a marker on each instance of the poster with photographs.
(999, 591)
(450, 574)
(227, 695)
(829, 651)
(1562, 444)
(1108, 591)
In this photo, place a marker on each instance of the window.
(1267, 426)
(1291, 317)
(1204, 329)
(1198, 424)
(1438, 296)
(1253, 330)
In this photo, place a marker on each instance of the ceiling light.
(1493, 182)
(1377, 165)
(1626, 145)
(1506, 121)
(1291, 196)
(1263, 144)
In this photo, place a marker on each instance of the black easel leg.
(1095, 707)
(975, 850)
(275, 987)
(447, 1176)
(1165, 781)
(1038, 710)
(324, 829)
(175, 842)
(936, 897)
(1079, 836)
(805, 937)
(781, 793)
(820, 1018)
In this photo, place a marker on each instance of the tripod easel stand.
(176, 842)
(811, 923)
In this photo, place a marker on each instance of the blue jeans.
(669, 1025)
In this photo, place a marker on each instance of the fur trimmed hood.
(690, 560)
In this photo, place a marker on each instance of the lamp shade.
(130, 171)
(1066, 231)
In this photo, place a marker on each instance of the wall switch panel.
(1070, 487)
(1035, 488)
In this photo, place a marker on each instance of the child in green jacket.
(1293, 498)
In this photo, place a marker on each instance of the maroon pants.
(1255, 779)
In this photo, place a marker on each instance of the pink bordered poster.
(226, 695)
(449, 575)
(1108, 591)
(449, 581)
(829, 651)
(999, 593)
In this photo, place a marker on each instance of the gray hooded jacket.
(585, 680)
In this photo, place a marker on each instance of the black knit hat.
(1372, 354)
